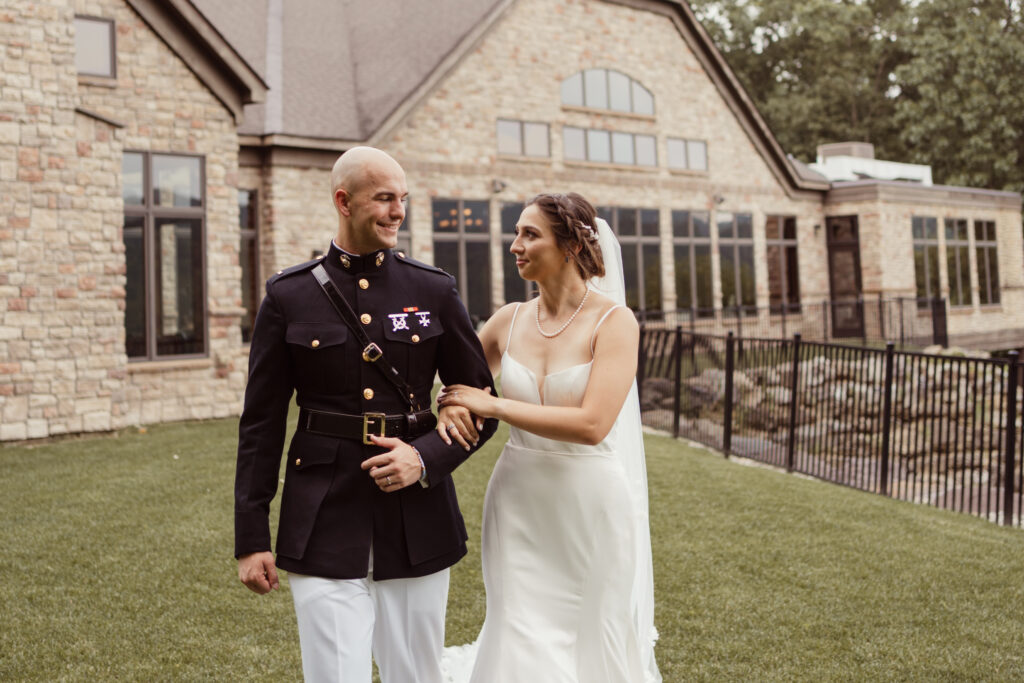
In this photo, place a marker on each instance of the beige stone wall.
(887, 257)
(449, 149)
(62, 270)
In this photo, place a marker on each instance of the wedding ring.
(388, 480)
(451, 426)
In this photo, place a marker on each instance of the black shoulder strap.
(371, 352)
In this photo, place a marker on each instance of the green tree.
(819, 70)
(960, 106)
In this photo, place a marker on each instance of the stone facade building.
(160, 158)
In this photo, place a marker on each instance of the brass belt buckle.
(372, 353)
(367, 417)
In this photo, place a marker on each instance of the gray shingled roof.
(337, 68)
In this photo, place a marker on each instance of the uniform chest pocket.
(413, 349)
(319, 354)
(316, 336)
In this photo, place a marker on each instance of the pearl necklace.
(567, 322)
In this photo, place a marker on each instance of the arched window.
(607, 89)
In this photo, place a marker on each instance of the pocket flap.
(414, 334)
(316, 335)
(308, 449)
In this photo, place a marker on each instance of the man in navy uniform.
(369, 524)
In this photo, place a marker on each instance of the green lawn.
(117, 565)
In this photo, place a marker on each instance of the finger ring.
(455, 393)
(388, 480)
(451, 426)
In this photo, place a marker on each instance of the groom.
(369, 521)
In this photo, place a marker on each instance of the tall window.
(94, 47)
(516, 288)
(736, 256)
(607, 89)
(164, 218)
(462, 247)
(248, 212)
(523, 138)
(783, 273)
(637, 230)
(986, 245)
(925, 231)
(691, 248)
(958, 262)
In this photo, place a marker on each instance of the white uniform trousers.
(341, 621)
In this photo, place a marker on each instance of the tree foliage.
(939, 82)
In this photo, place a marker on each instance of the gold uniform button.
(298, 461)
(315, 343)
(367, 393)
(365, 318)
(364, 283)
(415, 338)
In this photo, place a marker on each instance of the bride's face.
(536, 251)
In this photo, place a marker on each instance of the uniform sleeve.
(261, 429)
(461, 360)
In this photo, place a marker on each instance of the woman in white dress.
(566, 544)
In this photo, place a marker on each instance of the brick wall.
(62, 269)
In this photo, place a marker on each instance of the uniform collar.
(351, 263)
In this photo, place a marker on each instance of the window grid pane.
(535, 140)
(94, 43)
(510, 137)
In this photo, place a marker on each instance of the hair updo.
(574, 223)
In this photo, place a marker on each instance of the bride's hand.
(480, 402)
(456, 422)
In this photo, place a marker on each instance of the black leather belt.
(364, 426)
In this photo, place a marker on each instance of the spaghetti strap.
(512, 325)
(599, 323)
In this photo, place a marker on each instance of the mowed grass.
(117, 566)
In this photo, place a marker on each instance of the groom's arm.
(461, 360)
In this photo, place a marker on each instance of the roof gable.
(204, 50)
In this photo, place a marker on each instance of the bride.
(566, 541)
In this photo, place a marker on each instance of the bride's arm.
(612, 375)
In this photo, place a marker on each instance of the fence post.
(883, 483)
(677, 380)
(1011, 437)
(902, 343)
(793, 400)
(730, 347)
(824, 320)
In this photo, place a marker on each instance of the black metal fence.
(932, 429)
(906, 321)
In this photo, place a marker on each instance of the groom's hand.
(258, 572)
(395, 469)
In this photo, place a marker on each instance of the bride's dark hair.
(574, 222)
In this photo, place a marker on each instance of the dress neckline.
(533, 375)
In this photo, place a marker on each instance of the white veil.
(629, 445)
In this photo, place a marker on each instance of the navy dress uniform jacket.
(331, 510)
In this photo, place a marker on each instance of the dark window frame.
(920, 227)
(690, 241)
(461, 238)
(958, 255)
(151, 213)
(249, 234)
(113, 47)
(736, 243)
(508, 235)
(784, 245)
(987, 251)
(616, 220)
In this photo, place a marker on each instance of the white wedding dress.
(565, 549)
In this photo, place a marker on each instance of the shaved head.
(357, 165)
(369, 193)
